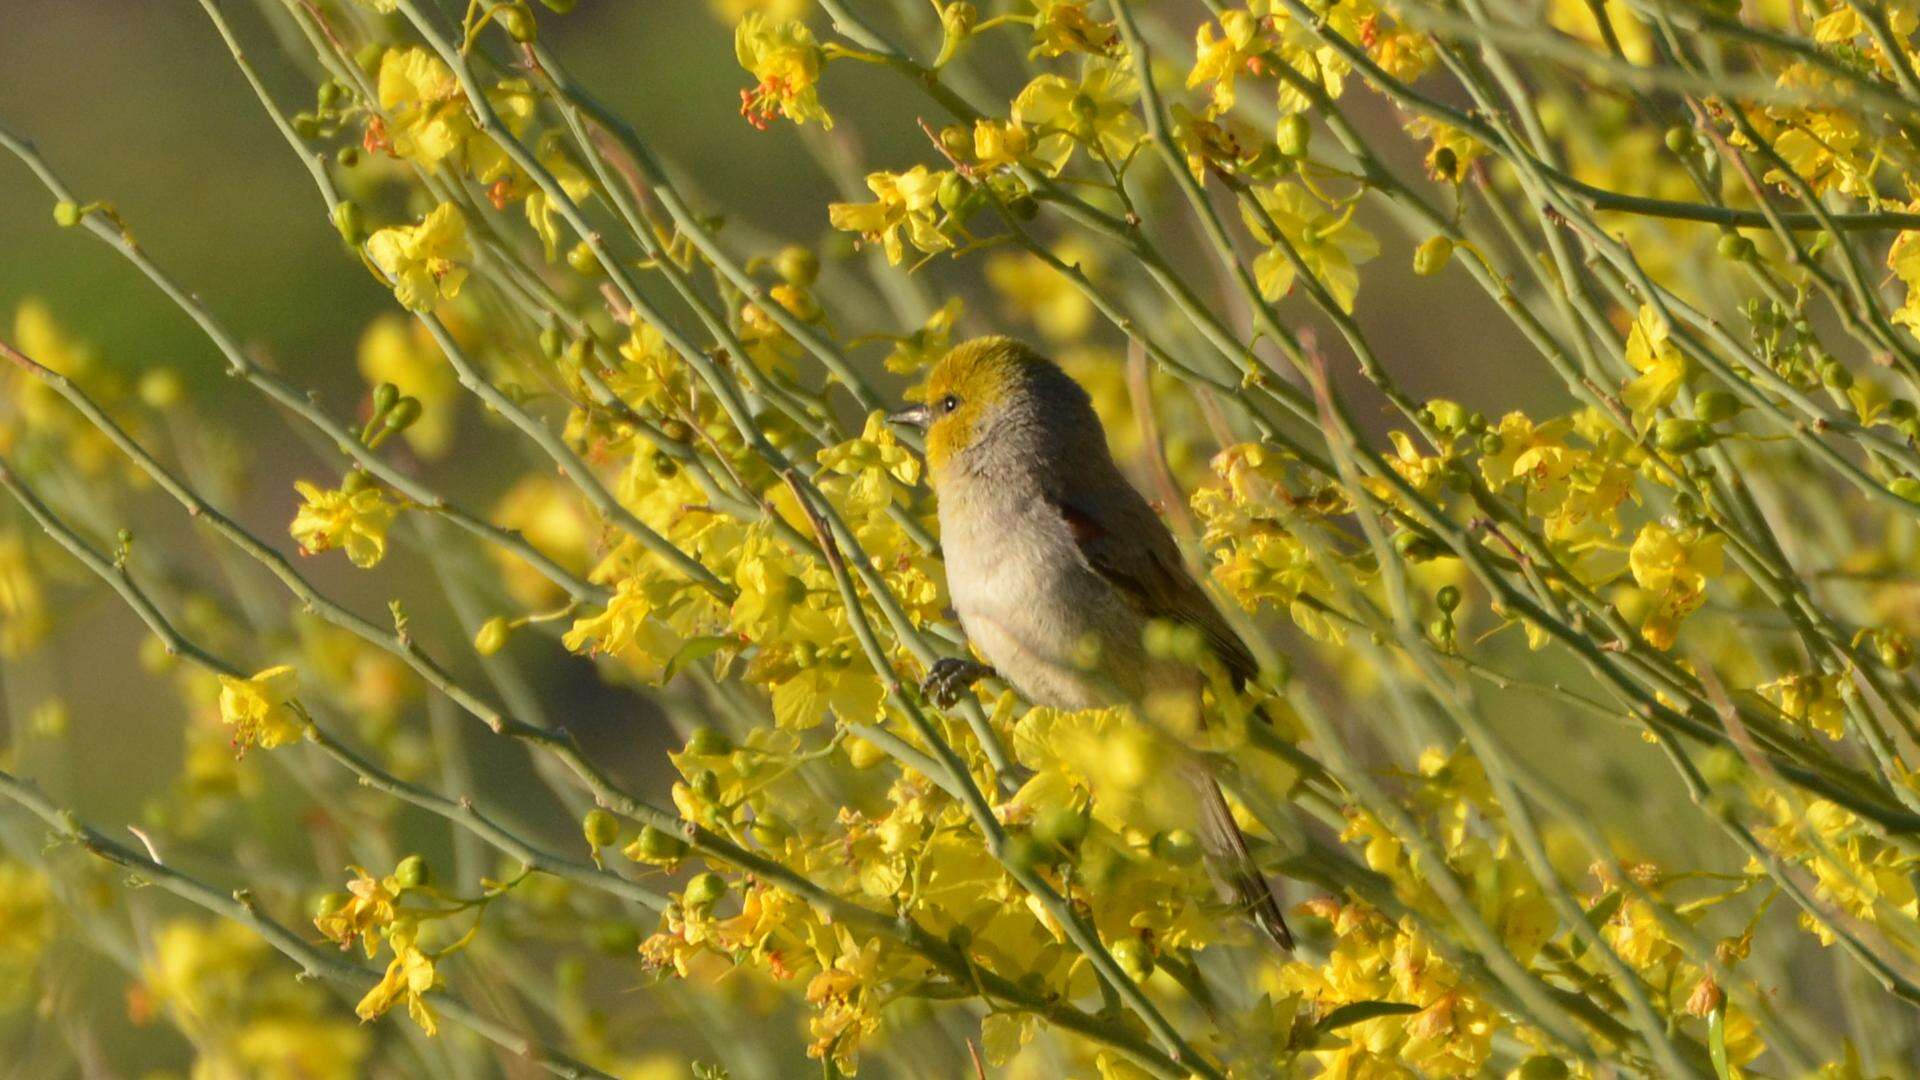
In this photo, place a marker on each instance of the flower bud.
(797, 265)
(1835, 375)
(413, 872)
(1448, 598)
(705, 889)
(67, 213)
(1679, 139)
(1894, 650)
(1679, 436)
(656, 846)
(349, 222)
(1717, 406)
(492, 636)
(1736, 247)
(384, 397)
(1134, 958)
(328, 903)
(1292, 135)
(1062, 826)
(600, 828)
(709, 742)
(517, 21)
(403, 414)
(347, 157)
(863, 754)
(1432, 255)
(706, 784)
(583, 260)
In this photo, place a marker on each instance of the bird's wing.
(1130, 547)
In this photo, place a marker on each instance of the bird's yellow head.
(974, 381)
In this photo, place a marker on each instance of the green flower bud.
(705, 890)
(356, 481)
(350, 223)
(1717, 406)
(1679, 140)
(1293, 135)
(706, 784)
(771, 831)
(709, 742)
(1894, 650)
(332, 93)
(656, 846)
(1491, 443)
(1415, 548)
(1542, 1067)
(1900, 410)
(1432, 255)
(347, 157)
(1679, 436)
(1736, 247)
(328, 903)
(797, 265)
(403, 414)
(1448, 598)
(600, 828)
(1836, 375)
(1062, 827)
(413, 872)
(552, 341)
(492, 636)
(583, 260)
(384, 397)
(1134, 958)
(517, 21)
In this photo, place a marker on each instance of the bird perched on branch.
(1053, 558)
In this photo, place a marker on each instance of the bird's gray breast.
(1048, 623)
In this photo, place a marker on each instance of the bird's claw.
(949, 678)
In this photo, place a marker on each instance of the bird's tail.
(1240, 879)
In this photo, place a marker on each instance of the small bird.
(1048, 548)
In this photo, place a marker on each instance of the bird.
(1048, 548)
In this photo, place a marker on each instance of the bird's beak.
(912, 416)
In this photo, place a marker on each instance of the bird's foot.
(949, 678)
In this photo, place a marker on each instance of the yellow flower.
(1096, 112)
(371, 906)
(927, 344)
(1813, 700)
(336, 518)
(1063, 26)
(426, 113)
(426, 118)
(24, 618)
(426, 261)
(1031, 289)
(1661, 366)
(1330, 244)
(874, 461)
(1220, 59)
(395, 351)
(410, 974)
(26, 925)
(1903, 258)
(998, 144)
(261, 709)
(785, 59)
(1674, 568)
(909, 201)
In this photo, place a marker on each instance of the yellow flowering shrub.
(1577, 562)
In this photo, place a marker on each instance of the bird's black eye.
(949, 403)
